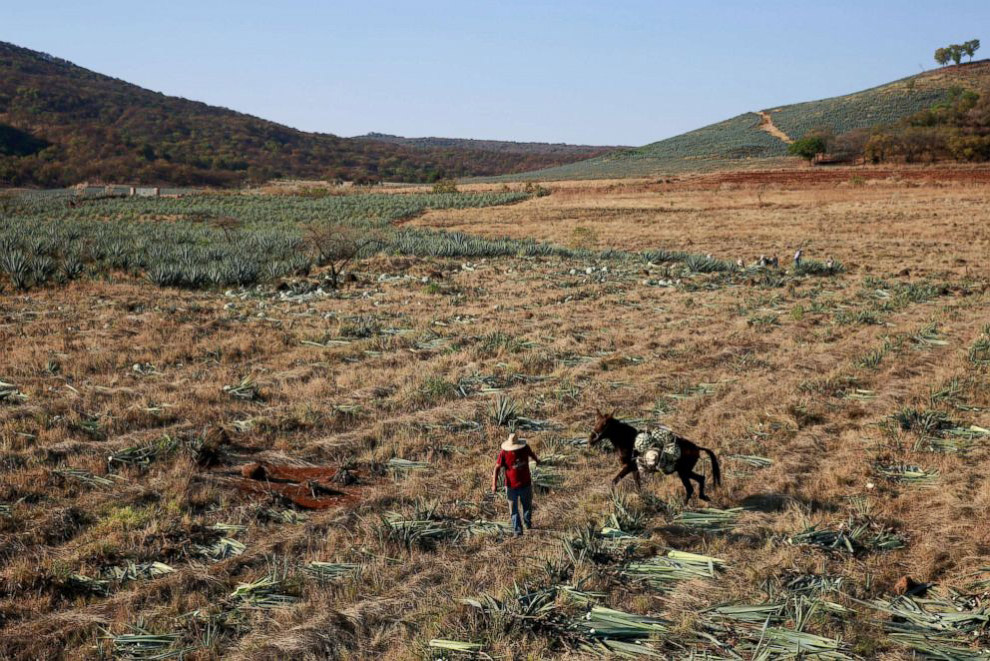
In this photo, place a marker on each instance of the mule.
(623, 438)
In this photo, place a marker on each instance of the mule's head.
(601, 429)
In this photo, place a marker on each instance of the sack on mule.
(657, 449)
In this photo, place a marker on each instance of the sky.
(602, 73)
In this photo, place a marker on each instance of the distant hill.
(61, 124)
(503, 146)
(757, 139)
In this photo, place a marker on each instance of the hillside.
(748, 140)
(503, 146)
(61, 124)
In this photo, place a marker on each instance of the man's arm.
(498, 467)
(533, 455)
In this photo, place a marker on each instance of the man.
(514, 460)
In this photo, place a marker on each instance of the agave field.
(882, 105)
(185, 242)
(733, 141)
(210, 241)
(234, 462)
(740, 143)
(885, 104)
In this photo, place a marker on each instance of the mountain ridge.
(509, 146)
(61, 123)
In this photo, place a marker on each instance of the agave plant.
(709, 519)
(246, 390)
(86, 477)
(10, 394)
(15, 264)
(329, 571)
(814, 267)
(132, 571)
(503, 411)
(266, 592)
(664, 572)
(222, 549)
(146, 645)
(72, 267)
(979, 352)
(143, 455)
(852, 537)
(706, 264)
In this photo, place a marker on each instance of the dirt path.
(766, 124)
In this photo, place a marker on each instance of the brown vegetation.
(800, 370)
(61, 124)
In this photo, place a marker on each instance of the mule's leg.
(626, 469)
(686, 481)
(639, 481)
(700, 479)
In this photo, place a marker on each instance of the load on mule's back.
(659, 449)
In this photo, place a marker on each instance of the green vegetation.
(866, 109)
(954, 52)
(809, 147)
(731, 142)
(204, 241)
(445, 186)
(956, 128)
(42, 239)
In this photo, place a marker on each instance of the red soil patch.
(309, 487)
(830, 176)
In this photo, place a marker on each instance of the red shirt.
(516, 464)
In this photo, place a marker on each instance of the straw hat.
(514, 443)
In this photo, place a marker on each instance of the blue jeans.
(523, 496)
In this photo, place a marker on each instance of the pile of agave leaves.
(945, 625)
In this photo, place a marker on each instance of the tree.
(335, 245)
(956, 53)
(878, 147)
(850, 145)
(915, 142)
(813, 144)
(445, 186)
(970, 48)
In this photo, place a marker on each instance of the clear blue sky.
(621, 72)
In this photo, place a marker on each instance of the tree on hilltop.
(970, 48)
(954, 52)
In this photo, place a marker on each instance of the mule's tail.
(716, 471)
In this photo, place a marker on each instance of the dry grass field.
(850, 412)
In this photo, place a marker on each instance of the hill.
(61, 124)
(503, 146)
(760, 138)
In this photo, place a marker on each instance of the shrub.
(705, 264)
(584, 238)
(445, 186)
(814, 267)
(536, 189)
(808, 147)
